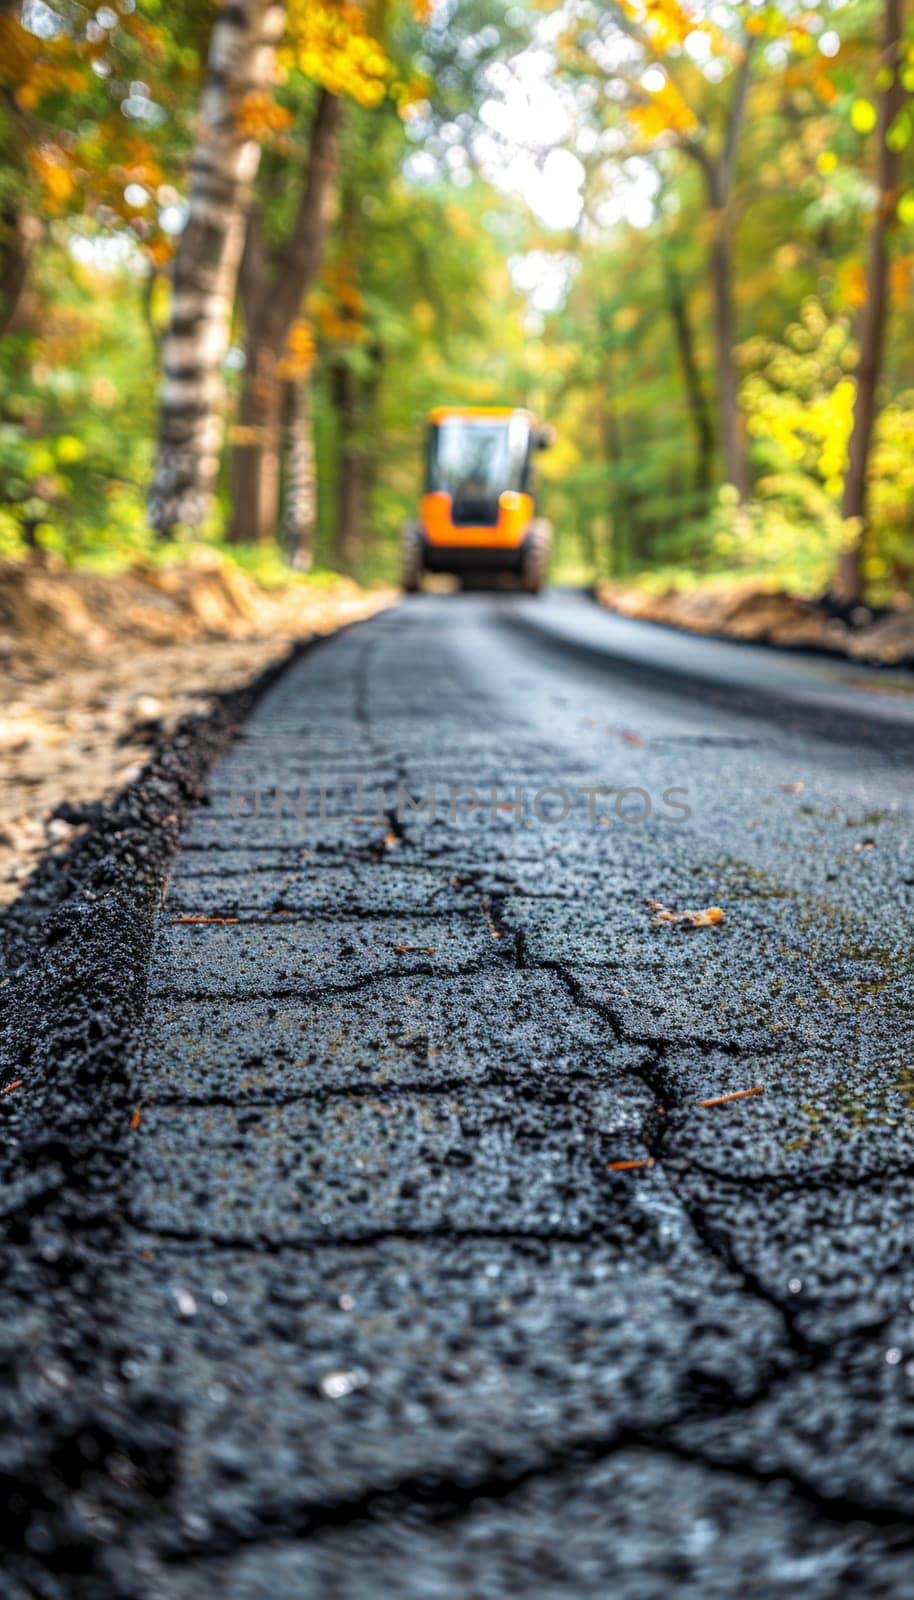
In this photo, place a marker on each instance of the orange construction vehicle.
(478, 512)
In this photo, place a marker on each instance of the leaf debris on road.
(738, 1094)
(221, 920)
(709, 917)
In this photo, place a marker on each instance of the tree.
(667, 104)
(677, 295)
(299, 515)
(223, 167)
(738, 138)
(344, 50)
(71, 145)
(354, 354)
(272, 292)
(82, 161)
(717, 168)
(699, 409)
(891, 99)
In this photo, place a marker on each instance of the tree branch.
(300, 257)
(736, 113)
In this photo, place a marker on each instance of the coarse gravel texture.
(367, 1231)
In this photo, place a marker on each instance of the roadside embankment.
(743, 610)
(97, 667)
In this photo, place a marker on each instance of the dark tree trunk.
(732, 443)
(256, 440)
(19, 230)
(368, 423)
(699, 407)
(19, 233)
(351, 469)
(272, 294)
(872, 331)
(619, 546)
(718, 173)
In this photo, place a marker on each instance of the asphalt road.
(429, 1251)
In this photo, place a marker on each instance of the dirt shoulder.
(97, 668)
(744, 611)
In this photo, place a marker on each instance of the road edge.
(808, 715)
(76, 945)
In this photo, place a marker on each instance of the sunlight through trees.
(244, 249)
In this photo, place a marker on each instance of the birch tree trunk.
(872, 331)
(272, 300)
(205, 272)
(300, 487)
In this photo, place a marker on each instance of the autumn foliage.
(662, 223)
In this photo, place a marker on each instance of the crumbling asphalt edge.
(75, 951)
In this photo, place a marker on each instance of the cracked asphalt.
(423, 1269)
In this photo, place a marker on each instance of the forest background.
(245, 247)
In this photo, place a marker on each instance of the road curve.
(480, 1231)
(761, 680)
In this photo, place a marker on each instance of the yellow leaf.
(333, 44)
(299, 355)
(259, 116)
(852, 284)
(69, 448)
(900, 278)
(55, 175)
(863, 116)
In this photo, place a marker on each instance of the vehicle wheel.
(536, 556)
(411, 558)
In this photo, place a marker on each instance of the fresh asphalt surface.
(420, 1334)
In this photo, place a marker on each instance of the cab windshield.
(474, 460)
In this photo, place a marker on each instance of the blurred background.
(665, 227)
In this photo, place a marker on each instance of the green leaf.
(898, 136)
